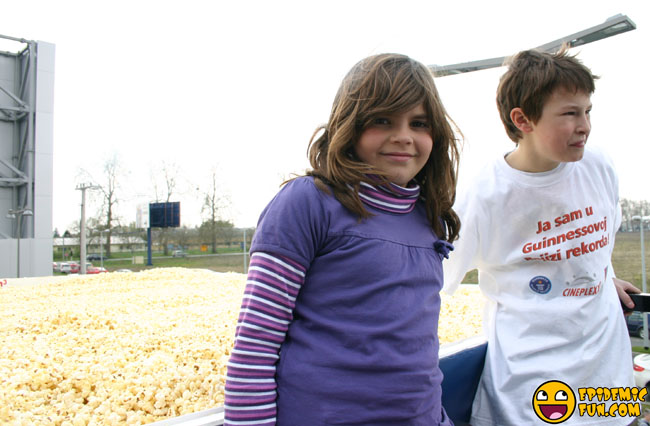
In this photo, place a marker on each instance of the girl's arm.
(267, 310)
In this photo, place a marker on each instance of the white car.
(642, 371)
(64, 267)
(179, 253)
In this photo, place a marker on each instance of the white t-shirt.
(543, 243)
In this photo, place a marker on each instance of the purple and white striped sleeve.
(272, 286)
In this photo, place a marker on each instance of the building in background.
(26, 142)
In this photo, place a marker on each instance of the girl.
(339, 320)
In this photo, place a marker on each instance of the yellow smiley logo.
(554, 401)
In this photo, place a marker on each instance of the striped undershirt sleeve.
(272, 286)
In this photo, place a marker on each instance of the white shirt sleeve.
(464, 257)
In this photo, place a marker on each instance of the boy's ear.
(520, 120)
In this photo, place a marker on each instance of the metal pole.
(149, 262)
(20, 216)
(245, 263)
(82, 236)
(645, 316)
(643, 276)
(101, 248)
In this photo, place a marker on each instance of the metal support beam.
(18, 178)
(17, 112)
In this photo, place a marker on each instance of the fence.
(227, 252)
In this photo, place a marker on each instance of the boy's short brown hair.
(532, 77)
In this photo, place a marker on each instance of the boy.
(539, 224)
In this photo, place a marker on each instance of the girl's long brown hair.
(377, 85)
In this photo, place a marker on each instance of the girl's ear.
(520, 120)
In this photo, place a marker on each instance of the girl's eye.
(420, 123)
(380, 121)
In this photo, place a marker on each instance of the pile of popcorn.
(461, 315)
(134, 348)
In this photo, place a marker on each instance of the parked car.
(179, 253)
(95, 257)
(65, 267)
(635, 324)
(95, 270)
(75, 267)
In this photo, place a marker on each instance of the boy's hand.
(623, 288)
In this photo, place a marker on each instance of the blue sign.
(165, 215)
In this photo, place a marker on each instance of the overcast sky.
(239, 87)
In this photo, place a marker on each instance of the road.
(637, 341)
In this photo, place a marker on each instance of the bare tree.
(109, 189)
(182, 236)
(109, 186)
(213, 202)
(165, 181)
(631, 208)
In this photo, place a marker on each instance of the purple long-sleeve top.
(339, 319)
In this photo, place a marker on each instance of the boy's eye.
(380, 121)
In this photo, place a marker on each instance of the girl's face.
(397, 144)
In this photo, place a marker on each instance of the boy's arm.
(624, 288)
(465, 254)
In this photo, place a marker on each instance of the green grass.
(626, 259)
(229, 263)
(471, 277)
(233, 261)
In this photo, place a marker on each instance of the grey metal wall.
(26, 142)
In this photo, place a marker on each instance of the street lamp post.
(641, 220)
(101, 247)
(18, 214)
(82, 235)
(615, 25)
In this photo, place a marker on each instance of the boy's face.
(397, 144)
(561, 133)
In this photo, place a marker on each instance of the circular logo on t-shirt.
(541, 285)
